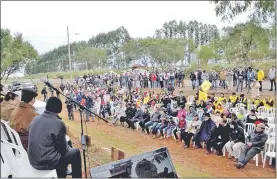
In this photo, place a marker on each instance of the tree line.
(172, 43)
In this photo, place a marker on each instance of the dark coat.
(258, 139)
(223, 131)
(47, 141)
(237, 135)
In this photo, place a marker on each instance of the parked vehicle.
(16, 85)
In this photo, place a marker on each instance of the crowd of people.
(231, 79)
(166, 114)
(205, 121)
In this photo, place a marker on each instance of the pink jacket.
(181, 113)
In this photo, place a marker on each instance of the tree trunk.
(7, 78)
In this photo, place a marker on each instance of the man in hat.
(23, 115)
(255, 144)
(48, 148)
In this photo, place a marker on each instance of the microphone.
(47, 83)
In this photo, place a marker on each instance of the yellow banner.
(203, 96)
(206, 85)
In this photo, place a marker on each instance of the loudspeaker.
(154, 164)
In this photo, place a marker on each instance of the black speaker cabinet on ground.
(155, 164)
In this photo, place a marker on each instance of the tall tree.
(15, 52)
(261, 11)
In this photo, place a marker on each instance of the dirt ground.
(194, 159)
(188, 162)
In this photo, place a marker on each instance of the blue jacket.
(250, 75)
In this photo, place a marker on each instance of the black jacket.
(237, 135)
(146, 117)
(223, 131)
(181, 100)
(47, 142)
(192, 76)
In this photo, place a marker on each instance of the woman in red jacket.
(181, 127)
(153, 80)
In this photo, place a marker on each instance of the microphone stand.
(81, 109)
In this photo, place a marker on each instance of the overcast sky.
(44, 23)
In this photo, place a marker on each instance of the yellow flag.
(206, 85)
(203, 96)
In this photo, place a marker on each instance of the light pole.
(68, 47)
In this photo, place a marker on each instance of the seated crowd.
(208, 122)
(198, 121)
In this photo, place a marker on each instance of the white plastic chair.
(233, 110)
(228, 120)
(271, 132)
(240, 105)
(262, 112)
(251, 106)
(270, 150)
(248, 128)
(11, 134)
(18, 164)
(190, 101)
(228, 105)
(272, 113)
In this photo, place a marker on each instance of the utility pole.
(69, 58)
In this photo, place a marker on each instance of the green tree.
(246, 38)
(15, 52)
(205, 53)
(261, 11)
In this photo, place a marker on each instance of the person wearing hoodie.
(191, 129)
(207, 126)
(255, 144)
(272, 77)
(237, 140)
(219, 137)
